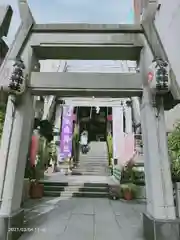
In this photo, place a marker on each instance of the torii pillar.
(16, 138)
(159, 220)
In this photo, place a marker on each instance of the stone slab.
(11, 227)
(155, 229)
(91, 219)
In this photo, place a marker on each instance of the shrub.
(110, 148)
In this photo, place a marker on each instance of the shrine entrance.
(94, 121)
(36, 42)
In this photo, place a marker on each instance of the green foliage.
(138, 175)
(75, 143)
(76, 134)
(175, 169)
(110, 148)
(174, 151)
(43, 152)
(174, 142)
(127, 174)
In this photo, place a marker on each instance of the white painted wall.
(118, 134)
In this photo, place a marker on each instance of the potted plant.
(127, 173)
(175, 170)
(138, 175)
(174, 152)
(75, 145)
(110, 148)
(128, 191)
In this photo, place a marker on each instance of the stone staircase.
(65, 190)
(95, 162)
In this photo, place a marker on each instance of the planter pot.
(128, 195)
(36, 190)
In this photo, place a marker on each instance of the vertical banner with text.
(66, 133)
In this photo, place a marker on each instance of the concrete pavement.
(85, 219)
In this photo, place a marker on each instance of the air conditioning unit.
(159, 77)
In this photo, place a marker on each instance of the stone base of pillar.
(11, 227)
(155, 229)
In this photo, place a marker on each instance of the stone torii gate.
(5, 19)
(36, 42)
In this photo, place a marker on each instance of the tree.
(174, 142)
(174, 151)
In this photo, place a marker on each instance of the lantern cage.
(159, 77)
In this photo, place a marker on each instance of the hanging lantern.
(17, 79)
(158, 76)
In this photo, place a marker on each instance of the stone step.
(89, 169)
(92, 174)
(86, 191)
(88, 174)
(53, 183)
(93, 165)
(93, 158)
(94, 155)
(91, 195)
(95, 184)
(54, 188)
(52, 194)
(93, 162)
(93, 189)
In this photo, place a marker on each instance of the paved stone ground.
(84, 219)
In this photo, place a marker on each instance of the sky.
(74, 11)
